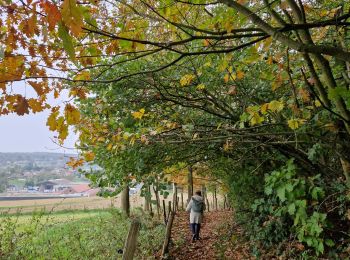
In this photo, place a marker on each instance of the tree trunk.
(155, 189)
(190, 184)
(147, 199)
(125, 201)
(207, 201)
(174, 197)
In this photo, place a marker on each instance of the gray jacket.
(195, 217)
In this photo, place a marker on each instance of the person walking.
(196, 207)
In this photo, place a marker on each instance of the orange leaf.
(74, 163)
(31, 23)
(21, 107)
(37, 86)
(53, 14)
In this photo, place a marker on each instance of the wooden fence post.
(169, 208)
(164, 212)
(182, 200)
(131, 241)
(165, 248)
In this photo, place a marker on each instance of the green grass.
(96, 234)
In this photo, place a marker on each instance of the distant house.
(47, 186)
(12, 188)
(63, 186)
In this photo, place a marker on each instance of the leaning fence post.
(165, 248)
(131, 241)
(169, 208)
(164, 212)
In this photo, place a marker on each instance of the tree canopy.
(255, 94)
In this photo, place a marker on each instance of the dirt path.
(217, 238)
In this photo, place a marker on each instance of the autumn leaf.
(318, 103)
(52, 119)
(139, 114)
(37, 86)
(62, 129)
(240, 74)
(200, 86)
(89, 156)
(72, 16)
(295, 123)
(304, 94)
(84, 75)
(256, 119)
(52, 13)
(187, 79)
(72, 114)
(31, 26)
(276, 106)
(75, 163)
(264, 108)
(78, 92)
(21, 107)
(36, 105)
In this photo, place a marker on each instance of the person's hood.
(197, 198)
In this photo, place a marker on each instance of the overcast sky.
(29, 133)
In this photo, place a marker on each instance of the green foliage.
(96, 236)
(290, 197)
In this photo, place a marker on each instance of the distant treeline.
(34, 157)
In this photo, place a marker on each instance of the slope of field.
(97, 234)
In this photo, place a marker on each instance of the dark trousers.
(195, 228)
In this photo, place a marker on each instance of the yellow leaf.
(126, 135)
(139, 114)
(101, 139)
(240, 74)
(74, 163)
(84, 75)
(226, 78)
(72, 16)
(269, 60)
(276, 106)
(295, 123)
(109, 146)
(256, 119)
(52, 119)
(187, 79)
(264, 108)
(35, 105)
(318, 103)
(200, 86)
(72, 114)
(89, 156)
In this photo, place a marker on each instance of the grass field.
(58, 204)
(77, 234)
